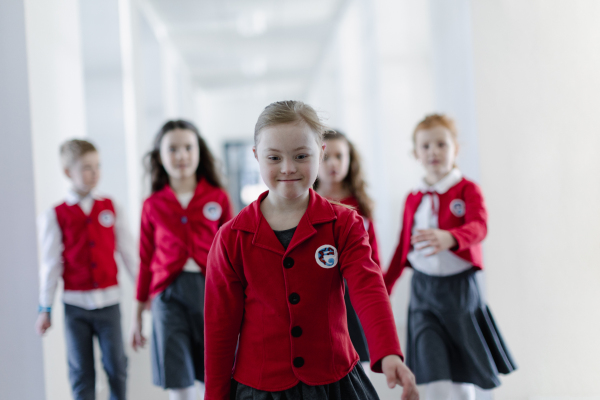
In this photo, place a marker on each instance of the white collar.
(443, 185)
(74, 198)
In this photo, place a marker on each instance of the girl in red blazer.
(275, 314)
(341, 179)
(179, 222)
(453, 342)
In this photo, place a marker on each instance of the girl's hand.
(438, 239)
(396, 372)
(137, 338)
(42, 323)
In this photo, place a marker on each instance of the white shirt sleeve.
(125, 243)
(51, 247)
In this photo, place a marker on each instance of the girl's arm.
(144, 277)
(396, 265)
(367, 291)
(474, 229)
(223, 311)
(146, 253)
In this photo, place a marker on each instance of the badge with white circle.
(326, 256)
(212, 211)
(458, 208)
(106, 218)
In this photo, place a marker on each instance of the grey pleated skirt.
(354, 386)
(451, 333)
(178, 333)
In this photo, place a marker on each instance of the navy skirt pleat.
(354, 386)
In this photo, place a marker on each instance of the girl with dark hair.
(341, 179)
(179, 221)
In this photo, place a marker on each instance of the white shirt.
(51, 247)
(445, 262)
(184, 200)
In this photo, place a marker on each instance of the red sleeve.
(223, 311)
(367, 292)
(474, 229)
(396, 265)
(146, 254)
(373, 243)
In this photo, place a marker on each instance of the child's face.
(336, 161)
(289, 157)
(180, 153)
(435, 149)
(85, 172)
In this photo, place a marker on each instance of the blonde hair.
(289, 111)
(434, 120)
(72, 150)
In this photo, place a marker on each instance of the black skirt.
(354, 386)
(357, 335)
(451, 332)
(178, 333)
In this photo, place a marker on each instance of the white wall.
(57, 114)
(538, 95)
(20, 350)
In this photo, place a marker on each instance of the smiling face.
(436, 151)
(180, 153)
(85, 172)
(288, 156)
(336, 162)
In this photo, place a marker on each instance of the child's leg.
(79, 336)
(463, 391)
(107, 325)
(188, 393)
(439, 390)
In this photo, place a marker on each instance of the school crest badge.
(326, 256)
(458, 208)
(212, 211)
(106, 218)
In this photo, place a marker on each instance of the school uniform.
(286, 305)
(451, 332)
(357, 334)
(78, 241)
(176, 235)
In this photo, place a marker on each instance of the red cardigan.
(462, 212)
(89, 245)
(171, 234)
(287, 306)
(351, 201)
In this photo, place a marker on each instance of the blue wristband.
(44, 309)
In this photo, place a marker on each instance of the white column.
(538, 95)
(21, 368)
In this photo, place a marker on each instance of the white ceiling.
(259, 43)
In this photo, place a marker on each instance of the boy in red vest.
(78, 241)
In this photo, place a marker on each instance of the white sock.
(463, 391)
(367, 367)
(438, 390)
(188, 393)
(201, 389)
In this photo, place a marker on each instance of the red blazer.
(89, 245)
(462, 212)
(351, 201)
(287, 306)
(171, 234)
